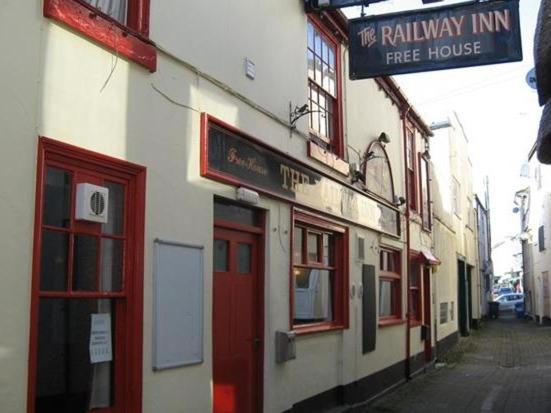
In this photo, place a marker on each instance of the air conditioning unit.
(92, 203)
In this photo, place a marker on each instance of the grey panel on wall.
(178, 305)
(369, 309)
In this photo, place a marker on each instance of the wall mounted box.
(285, 346)
(92, 203)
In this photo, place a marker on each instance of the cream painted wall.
(20, 42)
(66, 87)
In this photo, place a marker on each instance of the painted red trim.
(341, 284)
(217, 176)
(413, 202)
(51, 152)
(259, 233)
(238, 227)
(393, 91)
(395, 277)
(407, 364)
(426, 224)
(327, 26)
(391, 321)
(328, 158)
(129, 41)
(308, 329)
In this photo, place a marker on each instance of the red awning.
(429, 258)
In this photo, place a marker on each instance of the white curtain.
(117, 9)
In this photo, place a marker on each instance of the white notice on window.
(100, 338)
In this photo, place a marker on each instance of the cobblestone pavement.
(503, 367)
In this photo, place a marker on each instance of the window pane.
(415, 310)
(313, 295)
(317, 46)
(317, 75)
(111, 264)
(331, 59)
(325, 74)
(310, 36)
(324, 51)
(117, 9)
(297, 245)
(236, 213)
(220, 254)
(69, 379)
(310, 65)
(115, 213)
(414, 276)
(85, 263)
(53, 264)
(332, 79)
(327, 249)
(313, 247)
(385, 298)
(57, 198)
(244, 258)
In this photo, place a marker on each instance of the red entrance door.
(427, 313)
(237, 345)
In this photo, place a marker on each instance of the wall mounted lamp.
(383, 138)
(399, 200)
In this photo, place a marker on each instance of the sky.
(498, 110)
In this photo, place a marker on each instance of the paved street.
(503, 367)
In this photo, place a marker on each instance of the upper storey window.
(378, 175)
(323, 87)
(119, 25)
(116, 9)
(411, 177)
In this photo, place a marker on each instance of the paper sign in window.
(100, 338)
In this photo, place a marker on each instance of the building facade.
(205, 214)
(459, 286)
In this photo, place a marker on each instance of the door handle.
(256, 343)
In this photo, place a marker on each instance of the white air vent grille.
(92, 203)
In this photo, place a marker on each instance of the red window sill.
(415, 323)
(328, 158)
(387, 322)
(316, 328)
(104, 30)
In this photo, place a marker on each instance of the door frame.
(258, 231)
(51, 151)
(427, 311)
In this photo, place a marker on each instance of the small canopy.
(428, 257)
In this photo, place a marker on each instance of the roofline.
(389, 85)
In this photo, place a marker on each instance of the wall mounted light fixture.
(383, 138)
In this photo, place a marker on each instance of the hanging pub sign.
(238, 160)
(449, 37)
(311, 5)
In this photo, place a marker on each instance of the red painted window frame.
(130, 40)
(328, 28)
(53, 152)
(415, 259)
(411, 167)
(424, 189)
(396, 278)
(340, 284)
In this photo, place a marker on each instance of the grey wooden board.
(178, 305)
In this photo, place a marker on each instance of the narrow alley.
(503, 367)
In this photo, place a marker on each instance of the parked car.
(505, 290)
(507, 301)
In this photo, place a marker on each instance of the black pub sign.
(232, 158)
(462, 35)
